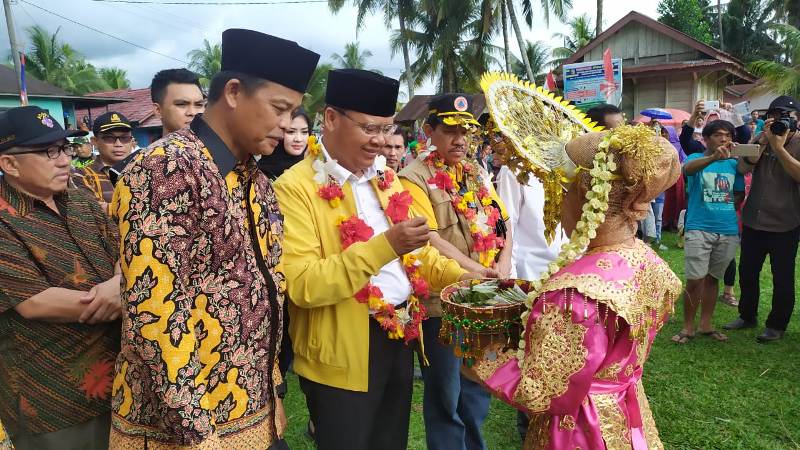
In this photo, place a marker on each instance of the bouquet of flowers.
(479, 313)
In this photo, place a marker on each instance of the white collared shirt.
(530, 253)
(392, 279)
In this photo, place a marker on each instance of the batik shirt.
(94, 178)
(53, 375)
(5, 442)
(202, 289)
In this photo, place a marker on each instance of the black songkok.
(257, 54)
(362, 91)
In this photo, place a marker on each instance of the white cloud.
(175, 30)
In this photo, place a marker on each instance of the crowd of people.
(156, 298)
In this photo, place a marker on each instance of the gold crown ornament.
(538, 125)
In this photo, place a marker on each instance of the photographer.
(771, 219)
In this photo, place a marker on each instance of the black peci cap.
(362, 91)
(256, 54)
(29, 126)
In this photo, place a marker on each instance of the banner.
(588, 84)
(23, 88)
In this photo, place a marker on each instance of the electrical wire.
(103, 32)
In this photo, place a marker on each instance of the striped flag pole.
(23, 88)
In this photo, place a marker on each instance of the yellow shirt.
(329, 328)
(5, 441)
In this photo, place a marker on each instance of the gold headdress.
(538, 126)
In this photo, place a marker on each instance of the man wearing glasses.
(59, 292)
(114, 142)
(347, 251)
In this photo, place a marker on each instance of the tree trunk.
(719, 22)
(406, 60)
(506, 48)
(514, 23)
(598, 28)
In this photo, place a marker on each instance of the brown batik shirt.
(53, 375)
(202, 294)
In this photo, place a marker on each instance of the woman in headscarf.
(591, 324)
(291, 150)
(675, 197)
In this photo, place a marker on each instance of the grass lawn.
(704, 395)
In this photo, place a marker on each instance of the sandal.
(714, 334)
(729, 300)
(682, 338)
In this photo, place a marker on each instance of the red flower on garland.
(397, 209)
(364, 294)
(442, 180)
(484, 242)
(354, 230)
(385, 179)
(419, 286)
(492, 216)
(331, 192)
(483, 192)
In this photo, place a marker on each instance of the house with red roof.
(138, 109)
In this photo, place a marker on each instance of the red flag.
(609, 86)
(550, 82)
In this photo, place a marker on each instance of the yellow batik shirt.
(5, 442)
(202, 293)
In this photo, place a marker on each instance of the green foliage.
(55, 62)
(115, 78)
(782, 77)
(314, 98)
(581, 33)
(745, 27)
(688, 16)
(206, 61)
(539, 58)
(353, 57)
(451, 43)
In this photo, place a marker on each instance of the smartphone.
(746, 150)
(710, 105)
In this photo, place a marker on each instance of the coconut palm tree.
(206, 61)
(598, 24)
(581, 33)
(539, 57)
(352, 58)
(115, 78)
(781, 78)
(559, 8)
(57, 63)
(451, 43)
(400, 9)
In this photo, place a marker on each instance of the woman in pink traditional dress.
(590, 330)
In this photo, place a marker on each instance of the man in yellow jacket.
(357, 263)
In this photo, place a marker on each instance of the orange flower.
(97, 380)
(385, 179)
(442, 180)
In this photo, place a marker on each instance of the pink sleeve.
(566, 343)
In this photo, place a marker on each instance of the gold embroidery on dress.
(555, 352)
(648, 423)
(646, 299)
(603, 264)
(613, 425)
(629, 370)
(485, 368)
(538, 435)
(567, 422)
(610, 373)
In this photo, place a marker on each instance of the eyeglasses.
(110, 139)
(370, 129)
(53, 151)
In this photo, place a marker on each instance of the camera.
(784, 124)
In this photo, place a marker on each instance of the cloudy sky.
(174, 30)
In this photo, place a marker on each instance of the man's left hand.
(503, 268)
(776, 142)
(281, 422)
(104, 304)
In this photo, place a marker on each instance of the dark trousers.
(730, 273)
(373, 420)
(782, 251)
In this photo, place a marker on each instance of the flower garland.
(475, 206)
(399, 323)
(593, 215)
